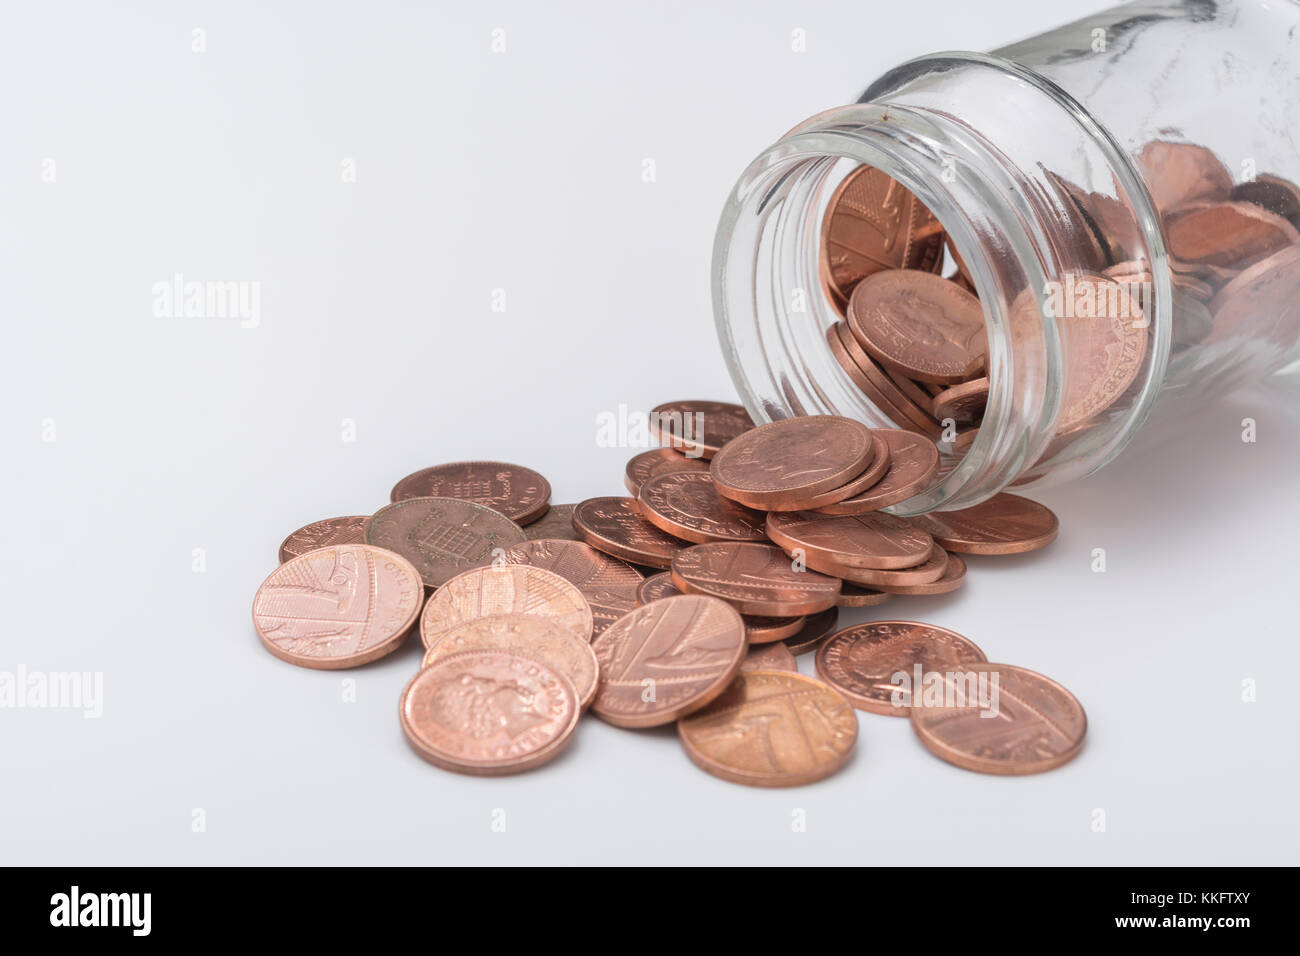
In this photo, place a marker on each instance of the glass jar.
(1156, 141)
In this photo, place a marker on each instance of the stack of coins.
(685, 603)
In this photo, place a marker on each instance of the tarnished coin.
(613, 525)
(489, 713)
(772, 729)
(687, 506)
(784, 464)
(608, 584)
(1005, 524)
(340, 606)
(755, 578)
(913, 465)
(769, 657)
(1038, 724)
(919, 324)
(659, 461)
(667, 659)
(854, 595)
(442, 536)
(323, 534)
(962, 403)
(1181, 173)
(878, 384)
(699, 428)
(927, 572)
(519, 493)
(954, 573)
(814, 631)
(874, 223)
(525, 635)
(877, 665)
(872, 540)
(507, 589)
(758, 630)
(557, 523)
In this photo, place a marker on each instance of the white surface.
(519, 171)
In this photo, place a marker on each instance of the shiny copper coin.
(772, 729)
(920, 325)
(655, 587)
(854, 595)
(442, 536)
(1227, 235)
(913, 464)
(962, 403)
(873, 540)
(340, 606)
(688, 506)
(556, 523)
(1262, 302)
(755, 578)
(667, 659)
(874, 223)
(876, 665)
(1181, 173)
(814, 631)
(1105, 343)
(608, 584)
(769, 657)
(1039, 725)
(929, 571)
(1005, 524)
(323, 534)
(519, 493)
(614, 526)
(784, 464)
(699, 428)
(505, 589)
(489, 713)
(954, 573)
(876, 383)
(758, 630)
(659, 461)
(525, 635)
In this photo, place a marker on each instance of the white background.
(520, 171)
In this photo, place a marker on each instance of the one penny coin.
(814, 631)
(699, 428)
(442, 536)
(323, 534)
(519, 493)
(927, 572)
(1005, 524)
(954, 573)
(913, 464)
(608, 584)
(614, 526)
(1105, 342)
(687, 506)
(758, 630)
(667, 659)
(489, 713)
(772, 729)
(855, 595)
(769, 657)
(876, 665)
(1181, 173)
(1039, 725)
(755, 578)
(878, 384)
(557, 523)
(505, 590)
(962, 403)
(658, 461)
(340, 606)
(872, 540)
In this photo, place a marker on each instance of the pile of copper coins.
(684, 602)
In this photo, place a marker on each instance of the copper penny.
(1039, 725)
(505, 590)
(655, 587)
(525, 635)
(962, 403)
(854, 595)
(769, 657)
(876, 665)
(442, 536)
(519, 493)
(784, 464)
(687, 506)
(1262, 302)
(772, 729)
(1277, 195)
(340, 606)
(1105, 342)
(699, 428)
(614, 526)
(323, 534)
(556, 523)
(913, 464)
(954, 573)
(1180, 173)
(929, 571)
(1227, 235)
(755, 578)
(920, 325)
(758, 630)
(873, 540)
(489, 713)
(876, 383)
(658, 461)
(814, 631)
(873, 223)
(1005, 524)
(608, 584)
(666, 659)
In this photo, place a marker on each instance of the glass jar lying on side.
(1114, 204)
